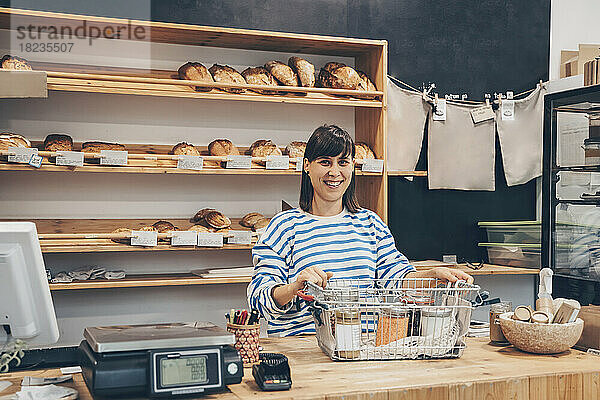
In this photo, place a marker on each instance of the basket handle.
(304, 296)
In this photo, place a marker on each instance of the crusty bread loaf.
(8, 139)
(263, 148)
(201, 214)
(365, 85)
(199, 228)
(164, 226)
(338, 76)
(304, 69)
(250, 219)
(222, 147)
(195, 71)
(58, 142)
(185, 149)
(260, 76)
(283, 73)
(15, 63)
(122, 230)
(261, 223)
(363, 151)
(296, 149)
(226, 74)
(95, 147)
(217, 220)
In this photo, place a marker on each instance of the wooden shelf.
(132, 281)
(143, 163)
(407, 173)
(95, 226)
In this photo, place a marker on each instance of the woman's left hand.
(450, 274)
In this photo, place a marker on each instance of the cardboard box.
(590, 338)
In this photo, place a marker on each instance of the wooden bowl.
(540, 338)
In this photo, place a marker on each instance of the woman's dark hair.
(328, 141)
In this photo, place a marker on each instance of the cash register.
(159, 360)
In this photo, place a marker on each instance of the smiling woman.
(329, 237)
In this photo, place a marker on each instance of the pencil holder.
(246, 341)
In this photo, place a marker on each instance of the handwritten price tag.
(299, 164)
(370, 165)
(21, 155)
(184, 238)
(481, 114)
(210, 239)
(144, 238)
(240, 237)
(70, 158)
(190, 162)
(113, 157)
(239, 162)
(278, 162)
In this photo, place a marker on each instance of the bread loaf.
(96, 147)
(199, 228)
(363, 151)
(200, 215)
(263, 148)
(217, 220)
(365, 85)
(250, 219)
(222, 147)
(15, 63)
(283, 73)
(195, 71)
(304, 69)
(261, 223)
(58, 142)
(8, 139)
(185, 149)
(164, 226)
(122, 230)
(296, 149)
(260, 76)
(226, 74)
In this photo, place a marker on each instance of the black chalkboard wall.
(464, 46)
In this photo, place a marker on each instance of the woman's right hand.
(312, 274)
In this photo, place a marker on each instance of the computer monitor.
(26, 308)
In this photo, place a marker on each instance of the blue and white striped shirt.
(349, 245)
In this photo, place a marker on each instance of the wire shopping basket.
(390, 319)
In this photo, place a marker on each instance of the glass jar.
(496, 335)
(392, 325)
(436, 321)
(347, 333)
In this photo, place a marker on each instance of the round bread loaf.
(263, 148)
(250, 219)
(164, 226)
(58, 142)
(363, 151)
(217, 220)
(8, 139)
(195, 71)
(222, 147)
(199, 228)
(122, 230)
(95, 147)
(15, 63)
(226, 74)
(283, 73)
(185, 149)
(261, 223)
(304, 69)
(150, 228)
(201, 214)
(365, 85)
(296, 149)
(260, 76)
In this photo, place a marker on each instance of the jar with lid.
(392, 325)
(347, 333)
(436, 321)
(496, 335)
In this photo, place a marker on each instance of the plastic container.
(520, 232)
(514, 254)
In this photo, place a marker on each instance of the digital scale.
(159, 360)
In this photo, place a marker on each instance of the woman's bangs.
(335, 146)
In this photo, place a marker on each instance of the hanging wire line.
(458, 101)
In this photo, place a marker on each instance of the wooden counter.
(483, 372)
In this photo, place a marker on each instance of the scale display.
(183, 371)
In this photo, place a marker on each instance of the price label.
(184, 238)
(299, 164)
(240, 237)
(481, 114)
(190, 162)
(508, 110)
(440, 110)
(210, 239)
(70, 158)
(144, 238)
(239, 162)
(261, 231)
(370, 165)
(113, 157)
(21, 155)
(278, 162)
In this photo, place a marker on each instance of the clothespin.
(487, 102)
(435, 100)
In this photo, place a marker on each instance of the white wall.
(572, 22)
